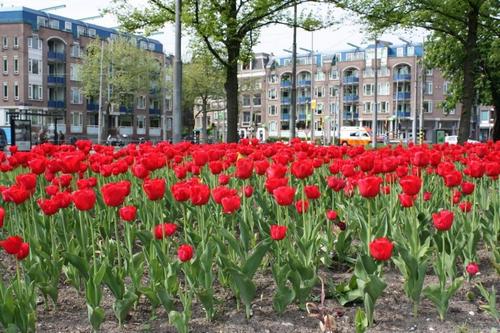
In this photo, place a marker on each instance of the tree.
(458, 20)
(127, 72)
(229, 29)
(203, 81)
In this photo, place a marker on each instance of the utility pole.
(177, 112)
(99, 114)
(293, 113)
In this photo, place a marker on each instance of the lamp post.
(177, 114)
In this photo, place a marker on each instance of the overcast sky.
(272, 39)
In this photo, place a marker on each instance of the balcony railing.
(154, 111)
(402, 95)
(286, 84)
(285, 100)
(285, 116)
(351, 98)
(303, 99)
(402, 77)
(55, 79)
(304, 82)
(92, 106)
(351, 79)
(404, 114)
(56, 104)
(56, 55)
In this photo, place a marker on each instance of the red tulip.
(302, 206)
(302, 169)
(278, 232)
(114, 194)
(427, 196)
(472, 268)
(381, 249)
(199, 194)
(244, 168)
(27, 180)
(12, 244)
(185, 252)
(475, 169)
(200, 157)
(453, 178)
(215, 167)
(84, 199)
(312, 192)
(284, 195)
(154, 188)
(276, 171)
(457, 195)
(48, 206)
(369, 187)
(465, 206)
(180, 191)
(220, 192)
(468, 188)
(230, 204)
(406, 200)
(164, 230)
(261, 166)
(443, 220)
(16, 194)
(140, 171)
(37, 166)
(128, 213)
(2, 216)
(273, 183)
(63, 199)
(336, 184)
(224, 179)
(331, 214)
(410, 184)
(23, 252)
(248, 190)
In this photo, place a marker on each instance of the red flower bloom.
(199, 194)
(406, 200)
(215, 167)
(12, 244)
(457, 195)
(49, 206)
(51, 190)
(465, 206)
(244, 168)
(443, 220)
(302, 206)
(475, 169)
(84, 199)
(16, 194)
(468, 188)
(273, 183)
(410, 184)
(180, 192)
(427, 196)
(336, 184)
(114, 194)
(63, 199)
(2, 216)
(261, 167)
(312, 192)
(224, 179)
(164, 230)
(221, 192)
(369, 187)
(302, 169)
(278, 232)
(248, 190)
(284, 195)
(185, 252)
(200, 157)
(128, 213)
(381, 249)
(453, 178)
(37, 165)
(331, 214)
(23, 252)
(276, 171)
(230, 204)
(27, 180)
(154, 188)
(140, 171)
(472, 268)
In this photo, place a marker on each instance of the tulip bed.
(170, 226)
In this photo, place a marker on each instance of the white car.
(453, 140)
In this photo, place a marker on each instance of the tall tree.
(459, 20)
(229, 28)
(203, 81)
(127, 72)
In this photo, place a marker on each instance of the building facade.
(41, 54)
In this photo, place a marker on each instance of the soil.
(393, 312)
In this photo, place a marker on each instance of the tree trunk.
(231, 88)
(469, 70)
(204, 134)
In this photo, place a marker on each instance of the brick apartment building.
(41, 54)
(342, 86)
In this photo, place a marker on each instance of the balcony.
(350, 115)
(154, 111)
(402, 77)
(92, 107)
(285, 100)
(351, 98)
(402, 95)
(286, 84)
(404, 114)
(60, 56)
(56, 104)
(92, 130)
(351, 80)
(303, 99)
(302, 116)
(302, 83)
(285, 117)
(55, 79)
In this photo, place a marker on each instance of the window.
(485, 116)
(427, 106)
(141, 121)
(125, 120)
(76, 95)
(154, 122)
(428, 88)
(271, 93)
(54, 24)
(76, 119)
(256, 99)
(5, 42)
(33, 66)
(410, 51)
(80, 31)
(75, 50)
(92, 32)
(74, 72)
(16, 65)
(320, 76)
(334, 74)
(246, 100)
(446, 87)
(368, 107)
(67, 26)
(5, 91)
(319, 91)
(246, 117)
(383, 107)
(257, 118)
(318, 125)
(16, 42)
(319, 108)
(5, 65)
(333, 91)
(333, 108)
(169, 124)
(35, 92)
(141, 102)
(272, 110)
(16, 91)
(273, 78)
(368, 89)
(272, 126)
(428, 72)
(41, 21)
(399, 52)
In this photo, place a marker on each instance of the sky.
(272, 39)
